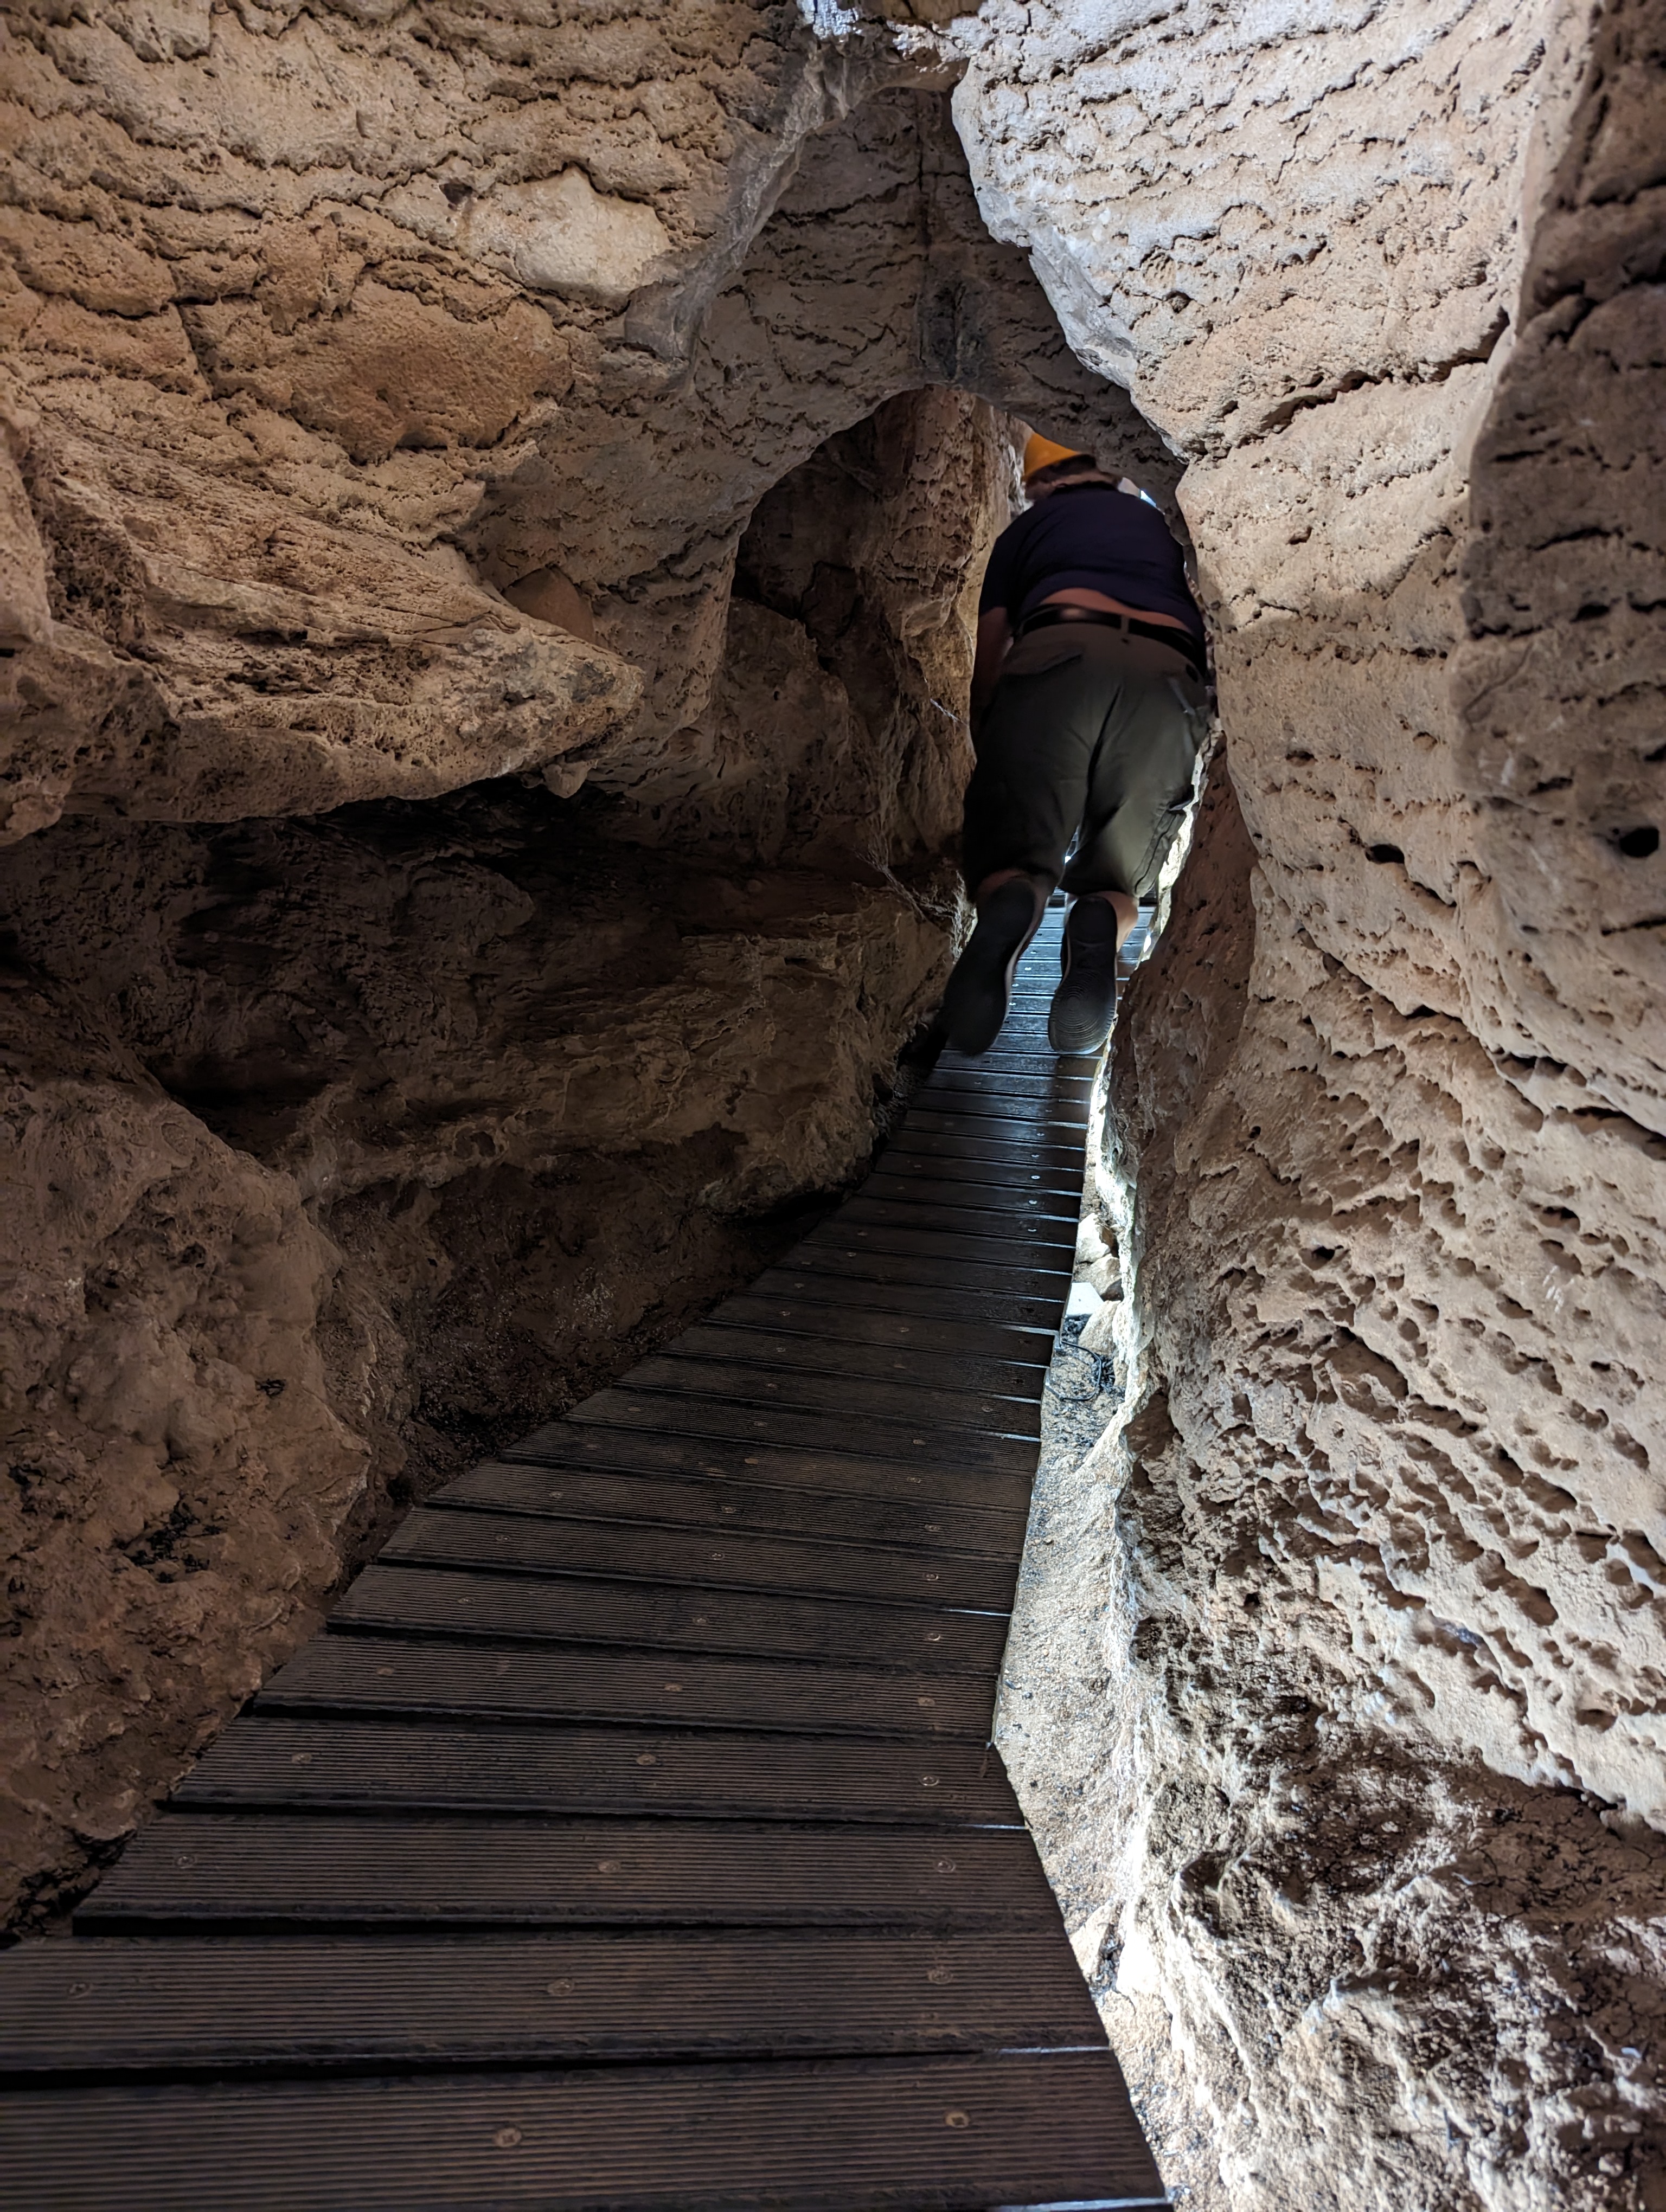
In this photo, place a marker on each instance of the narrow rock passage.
(632, 1837)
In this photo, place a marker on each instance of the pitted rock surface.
(1384, 1144)
(490, 505)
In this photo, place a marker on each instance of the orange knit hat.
(1040, 453)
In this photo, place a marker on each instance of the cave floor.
(632, 1835)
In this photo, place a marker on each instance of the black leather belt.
(1183, 642)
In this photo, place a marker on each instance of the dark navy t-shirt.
(1096, 539)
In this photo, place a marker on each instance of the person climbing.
(1087, 712)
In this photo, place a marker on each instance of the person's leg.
(1140, 777)
(1034, 746)
(1139, 780)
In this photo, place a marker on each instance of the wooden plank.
(1005, 1264)
(1010, 1089)
(1016, 1224)
(965, 1113)
(1045, 1104)
(360, 1765)
(935, 1259)
(718, 1418)
(979, 1202)
(1062, 1163)
(797, 2135)
(1027, 1053)
(228, 1870)
(1061, 1084)
(991, 1186)
(1058, 1150)
(1009, 1266)
(1025, 1056)
(1024, 1037)
(852, 1474)
(428, 1675)
(1024, 1031)
(1024, 1350)
(814, 1352)
(1026, 1021)
(1061, 1189)
(709, 1503)
(1018, 1209)
(948, 1412)
(101, 2007)
(953, 1152)
(442, 1601)
(929, 1292)
(716, 1559)
(1003, 1047)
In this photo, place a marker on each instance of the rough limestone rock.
(488, 511)
(176, 1474)
(1340, 1690)
(217, 656)
(487, 505)
(326, 334)
(418, 1126)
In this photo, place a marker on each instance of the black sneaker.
(1085, 1001)
(975, 1003)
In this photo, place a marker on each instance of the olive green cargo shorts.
(1090, 730)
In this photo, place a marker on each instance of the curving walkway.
(631, 1837)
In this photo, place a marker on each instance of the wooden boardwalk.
(631, 1837)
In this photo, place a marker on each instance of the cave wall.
(340, 1151)
(477, 722)
(1338, 1693)
(452, 930)
(303, 382)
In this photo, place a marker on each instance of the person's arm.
(995, 636)
(994, 621)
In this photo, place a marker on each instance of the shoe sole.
(980, 990)
(1095, 1016)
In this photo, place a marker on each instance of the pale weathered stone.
(1381, 1532)
(221, 655)
(560, 236)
